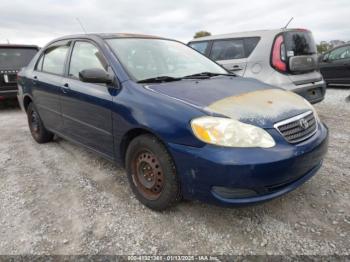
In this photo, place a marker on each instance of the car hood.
(246, 100)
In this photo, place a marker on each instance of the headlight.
(229, 132)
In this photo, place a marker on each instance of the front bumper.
(268, 172)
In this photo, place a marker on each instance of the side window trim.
(42, 55)
(70, 53)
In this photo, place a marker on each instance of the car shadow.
(9, 104)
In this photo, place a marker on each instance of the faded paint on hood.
(261, 107)
(244, 99)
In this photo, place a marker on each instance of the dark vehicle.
(181, 124)
(12, 59)
(335, 66)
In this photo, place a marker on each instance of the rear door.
(233, 53)
(335, 66)
(230, 54)
(47, 80)
(86, 112)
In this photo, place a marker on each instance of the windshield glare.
(148, 58)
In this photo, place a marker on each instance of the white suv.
(285, 58)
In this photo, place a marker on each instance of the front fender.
(138, 108)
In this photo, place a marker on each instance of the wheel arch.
(129, 136)
(26, 101)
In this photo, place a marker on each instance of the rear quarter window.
(250, 44)
(199, 46)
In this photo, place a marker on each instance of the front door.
(230, 53)
(86, 112)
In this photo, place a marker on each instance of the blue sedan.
(182, 126)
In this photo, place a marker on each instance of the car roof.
(18, 46)
(256, 33)
(108, 36)
(336, 47)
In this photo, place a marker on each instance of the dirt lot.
(60, 199)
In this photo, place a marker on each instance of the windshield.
(300, 43)
(150, 58)
(16, 58)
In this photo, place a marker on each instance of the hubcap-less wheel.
(148, 175)
(35, 122)
(36, 126)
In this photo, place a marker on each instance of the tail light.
(279, 54)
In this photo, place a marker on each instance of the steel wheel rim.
(34, 122)
(147, 175)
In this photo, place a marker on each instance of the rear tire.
(152, 173)
(36, 126)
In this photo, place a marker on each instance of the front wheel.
(152, 173)
(36, 126)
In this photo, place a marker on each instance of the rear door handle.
(34, 80)
(236, 68)
(65, 88)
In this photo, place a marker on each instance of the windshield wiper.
(159, 79)
(208, 75)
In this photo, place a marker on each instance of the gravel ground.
(58, 198)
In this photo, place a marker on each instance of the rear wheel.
(36, 126)
(152, 173)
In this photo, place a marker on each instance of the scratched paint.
(261, 105)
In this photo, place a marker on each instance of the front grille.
(298, 128)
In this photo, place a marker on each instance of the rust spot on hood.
(261, 104)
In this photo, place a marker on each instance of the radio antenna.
(81, 25)
(290, 20)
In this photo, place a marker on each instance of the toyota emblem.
(303, 123)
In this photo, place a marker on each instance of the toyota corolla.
(182, 125)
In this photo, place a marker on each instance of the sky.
(38, 22)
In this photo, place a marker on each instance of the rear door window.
(55, 58)
(299, 43)
(227, 49)
(200, 46)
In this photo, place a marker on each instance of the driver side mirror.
(95, 75)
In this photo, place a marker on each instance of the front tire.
(152, 173)
(36, 126)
